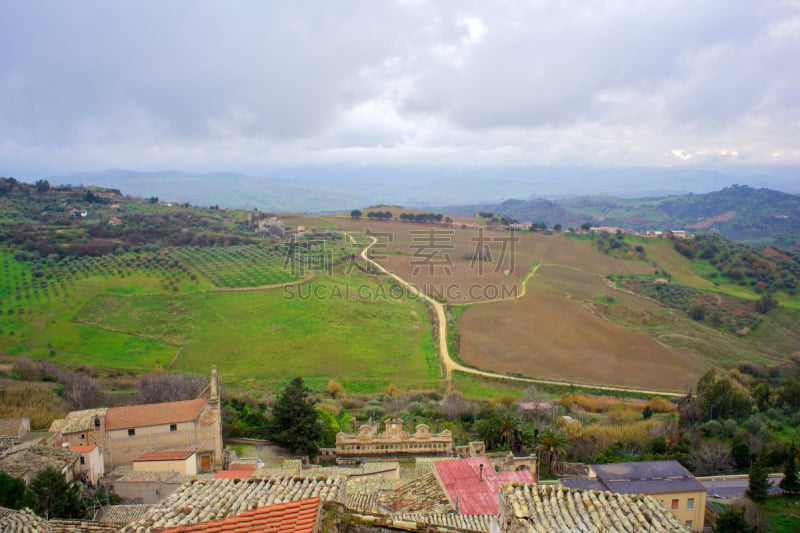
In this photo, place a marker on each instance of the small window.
(132, 432)
(173, 427)
(690, 504)
(96, 422)
(83, 436)
(675, 505)
(688, 524)
(83, 460)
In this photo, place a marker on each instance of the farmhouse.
(125, 433)
(667, 481)
(368, 442)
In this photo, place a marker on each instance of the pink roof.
(470, 491)
(164, 456)
(83, 449)
(234, 474)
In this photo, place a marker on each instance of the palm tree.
(508, 428)
(550, 444)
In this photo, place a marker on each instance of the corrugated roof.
(472, 491)
(153, 414)
(164, 456)
(293, 517)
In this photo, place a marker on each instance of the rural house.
(125, 433)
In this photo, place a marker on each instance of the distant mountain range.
(339, 188)
(641, 199)
(738, 212)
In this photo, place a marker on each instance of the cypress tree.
(295, 422)
(791, 479)
(758, 488)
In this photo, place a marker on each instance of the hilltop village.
(458, 373)
(167, 462)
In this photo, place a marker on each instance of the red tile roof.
(293, 517)
(83, 449)
(153, 414)
(473, 492)
(234, 474)
(164, 456)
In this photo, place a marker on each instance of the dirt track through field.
(450, 365)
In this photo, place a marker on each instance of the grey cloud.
(590, 82)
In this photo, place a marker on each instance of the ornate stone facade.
(368, 442)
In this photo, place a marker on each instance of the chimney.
(481, 476)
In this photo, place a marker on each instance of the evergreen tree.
(12, 492)
(53, 497)
(732, 520)
(758, 488)
(295, 422)
(791, 479)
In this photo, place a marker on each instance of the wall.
(186, 466)
(123, 449)
(683, 513)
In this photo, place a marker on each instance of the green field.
(148, 311)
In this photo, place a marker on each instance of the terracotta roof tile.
(552, 508)
(76, 421)
(293, 517)
(234, 474)
(153, 414)
(12, 426)
(164, 456)
(122, 514)
(205, 500)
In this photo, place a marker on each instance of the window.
(83, 436)
(173, 427)
(688, 524)
(675, 505)
(131, 432)
(690, 504)
(83, 460)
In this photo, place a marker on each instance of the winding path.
(450, 364)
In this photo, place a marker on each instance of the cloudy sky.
(248, 86)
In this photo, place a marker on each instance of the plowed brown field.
(549, 334)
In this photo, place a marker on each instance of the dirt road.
(450, 365)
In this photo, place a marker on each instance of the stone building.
(125, 433)
(393, 440)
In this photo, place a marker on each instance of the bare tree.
(80, 391)
(161, 387)
(710, 457)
